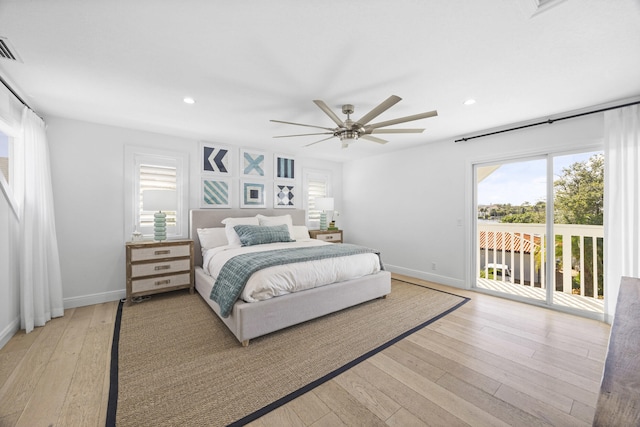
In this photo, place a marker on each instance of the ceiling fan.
(350, 131)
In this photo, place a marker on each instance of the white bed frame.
(251, 320)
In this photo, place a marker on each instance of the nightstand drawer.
(161, 282)
(161, 267)
(329, 237)
(144, 254)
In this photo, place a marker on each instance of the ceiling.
(131, 63)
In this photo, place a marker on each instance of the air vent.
(7, 51)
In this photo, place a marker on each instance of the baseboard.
(9, 331)
(84, 300)
(431, 277)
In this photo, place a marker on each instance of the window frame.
(136, 156)
(5, 185)
(317, 175)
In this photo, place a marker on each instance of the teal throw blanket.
(235, 273)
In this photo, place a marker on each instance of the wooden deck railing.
(522, 248)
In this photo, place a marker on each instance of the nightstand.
(333, 236)
(155, 267)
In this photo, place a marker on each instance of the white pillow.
(212, 237)
(300, 232)
(229, 223)
(277, 220)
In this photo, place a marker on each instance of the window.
(150, 169)
(6, 168)
(5, 156)
(316, 184)
(155, 177)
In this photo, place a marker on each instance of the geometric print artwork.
(285, 167)
(284, 196)
(215, 193)
(252, 195)
(252, 163)
(215, 159)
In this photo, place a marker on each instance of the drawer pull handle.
(162, 267)
(165, 252)
(162, 282)
(329, 237)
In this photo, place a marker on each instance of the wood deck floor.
(560, 298)
(492, 362)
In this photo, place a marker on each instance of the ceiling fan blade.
(303, 134)
(384, 106)
(300, 124)
(324, 107)
(308, 145)
(397, 130)
(373, 138)
(401, 120)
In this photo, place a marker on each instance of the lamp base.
(323, 221)
(160, 226)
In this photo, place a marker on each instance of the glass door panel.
(578, 195)
(511, 228)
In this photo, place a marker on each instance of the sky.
(523, 181)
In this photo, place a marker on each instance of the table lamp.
(159, 201)
(324, 204)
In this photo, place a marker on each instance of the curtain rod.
(18, 96)
(549, 121)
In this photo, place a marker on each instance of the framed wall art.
(284, 195)
(252, 163)
(252, 194)
(215, 193)
(284, 167)
(215, 159)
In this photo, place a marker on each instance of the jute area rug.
(176, 363)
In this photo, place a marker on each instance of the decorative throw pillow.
(259, 235)
(229, 223)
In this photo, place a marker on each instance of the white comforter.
(284, 279)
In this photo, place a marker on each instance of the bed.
(248, 320)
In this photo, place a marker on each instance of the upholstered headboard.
(209, 218)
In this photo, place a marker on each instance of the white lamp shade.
(159, 200)
(324, 203)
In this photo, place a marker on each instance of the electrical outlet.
(433, 265)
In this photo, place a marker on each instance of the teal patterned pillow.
(259, 235)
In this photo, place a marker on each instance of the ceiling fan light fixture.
(349, 136)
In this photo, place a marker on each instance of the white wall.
(415, 205)
(87, 167)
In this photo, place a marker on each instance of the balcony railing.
(515, 254)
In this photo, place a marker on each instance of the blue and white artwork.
(216, 159)
(284, 196)
(284, 167)
(215, 193)
(252, 163)
(252, 195)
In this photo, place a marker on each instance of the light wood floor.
(492, 362)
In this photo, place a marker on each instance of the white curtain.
(40, 279)
(621, 201)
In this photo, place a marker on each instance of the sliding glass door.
(511, 205)
(519, 204)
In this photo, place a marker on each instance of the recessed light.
(189, 100)
(470, 101)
